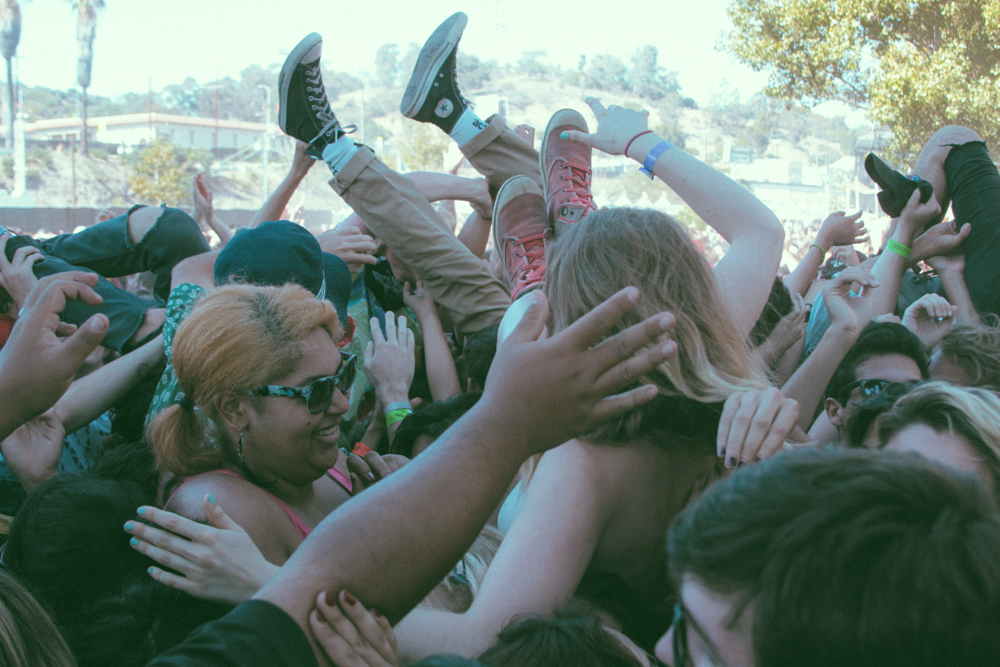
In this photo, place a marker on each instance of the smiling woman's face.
(712, 640)
(283, 440)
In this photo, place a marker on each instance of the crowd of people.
(562, 436)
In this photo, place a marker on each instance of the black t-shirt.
(255, 633)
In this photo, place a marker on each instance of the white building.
(141, 128)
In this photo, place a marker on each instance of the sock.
(467, 126)
(339, 152)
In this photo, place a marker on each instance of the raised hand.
(790, 328)
(754, 425)
(616, 126)
(352, 246)
(556, 388)
(916, 215)
(218, 561)
(17, 276)
(841, 229)
(930, 317)
(941, 239)
(202, 196)
(36, 366)
(419, 300)
(372, 468)
(34, 449)
(954, 264)
(846, 311)
(390, 362)
(352, 636)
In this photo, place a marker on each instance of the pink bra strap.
(300, 525)
(341, 478)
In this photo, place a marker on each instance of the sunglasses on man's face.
(319, 393)
(874, 387)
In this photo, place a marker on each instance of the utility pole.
(267, 137)
(216, 145)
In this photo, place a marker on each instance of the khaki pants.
(397, 213)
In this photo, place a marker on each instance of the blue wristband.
(658, 150)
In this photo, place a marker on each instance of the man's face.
(890, 367)
(714, 638)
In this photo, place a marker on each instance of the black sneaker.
(896, 188)
(432, 94)
(305, 111)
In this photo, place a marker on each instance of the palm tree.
(10, 35)
(86, 27)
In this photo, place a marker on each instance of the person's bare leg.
(930, 161)
(141, 220)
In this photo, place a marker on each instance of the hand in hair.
(754, 425)
(216, 562)
(389, 361)
(373, 467)
(36, 366)
(17, 275)
(616, 126)
(930, 317)
(34, 449)
(566, 385)
(352, 636)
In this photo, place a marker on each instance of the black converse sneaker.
(305, 111)
(432, 94)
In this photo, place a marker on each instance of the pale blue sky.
(171, 39)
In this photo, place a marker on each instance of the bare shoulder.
(253, 508)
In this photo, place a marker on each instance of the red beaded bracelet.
(629, 144)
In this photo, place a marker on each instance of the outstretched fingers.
(591, 328)
(631, 354)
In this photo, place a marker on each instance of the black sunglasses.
(319, 393)
(874, 387)
(682, 658)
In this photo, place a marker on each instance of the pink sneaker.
(521, 233)
(566, 171)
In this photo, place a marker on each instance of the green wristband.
(397, 416)
(898, 248)
(822, 250)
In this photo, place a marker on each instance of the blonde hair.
(27, 634)
(457, 592)
(971, 412)
(615, 248)
(235, 338)
(976, 350)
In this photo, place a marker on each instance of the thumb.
(964, 232)
(79, 345)
(578, 137)
(217, 516)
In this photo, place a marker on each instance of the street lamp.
(267, 136)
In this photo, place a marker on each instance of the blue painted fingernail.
(149, 570)
(211, 500)
(564, 135)
(731, 463)
(141, 511)
(134, 542)
(128, 526)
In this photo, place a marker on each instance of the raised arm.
(838, 229)
(754, 233)
(276, 203)
(539, 394)
(93, 395)
(892, 263)
(847, 319)
(951, 271)
(441, 373)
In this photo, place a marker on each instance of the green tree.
(158, 174)
(86, 29)
(422, 147)
(387, 65)
(915, 65)
(10, 35)
(530, 64)
(649, 80)
(609, 73)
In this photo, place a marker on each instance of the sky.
(164, 41)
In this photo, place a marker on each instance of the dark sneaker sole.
(436, 50)
(559, 118)
(303, 48)
(513, 187)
